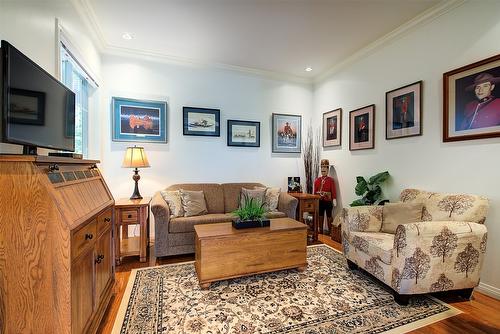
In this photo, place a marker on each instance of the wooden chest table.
(223, 252)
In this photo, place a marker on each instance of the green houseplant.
(250, 214)
(370, 190)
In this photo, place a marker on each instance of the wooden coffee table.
(223, 252)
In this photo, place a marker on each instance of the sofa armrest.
(366, 218)
(438, 255)
(160, 208)
(288, 205)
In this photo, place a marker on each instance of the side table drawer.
(309, 206)
(130, 216)
(83, 238)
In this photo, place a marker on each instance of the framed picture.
(243, 133)
(287, 133)
(362, 128)
(27, 107)
(139, 120)
(471, 98)
(201, 122)
(403, 111)
(294, 184)
(332, 128)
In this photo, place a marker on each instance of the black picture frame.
(201, 122)
(243, 135)
(403, 111)
(31, 106)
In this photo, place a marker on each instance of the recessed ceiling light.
(127, 36)
(309, 69)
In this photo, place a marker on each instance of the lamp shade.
(135, 157)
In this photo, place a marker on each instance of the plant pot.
(239, 224)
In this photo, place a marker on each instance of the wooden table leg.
(143, 235)
(301, 269)
(205, 286)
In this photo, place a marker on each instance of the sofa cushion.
(186, 224)
(231, 194)
(214, 195)
(374, 244)
(257, 194)
(271, 199)
(442, 207)
(400, 213)
(366, 218)
(274, 214)
(174, 201)
(193, 203)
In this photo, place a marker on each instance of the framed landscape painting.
(362, 128)
(403, 111)
(139, 120)
(287, 133)
(243, 133)
(201, 122)
(332, 128)
(471, 101)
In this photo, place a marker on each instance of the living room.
(418, 41)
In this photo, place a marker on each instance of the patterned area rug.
(326, 298)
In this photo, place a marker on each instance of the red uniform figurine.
(325, 187)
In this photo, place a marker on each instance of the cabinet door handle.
(98, 260)
(89, 236)
(107, 220)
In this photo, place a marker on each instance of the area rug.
(326, 298)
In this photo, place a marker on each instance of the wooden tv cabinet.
(56, 245)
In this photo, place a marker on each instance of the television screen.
(37, 109)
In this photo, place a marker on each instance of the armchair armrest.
(288, 205)
(437, 255)
(366, 218)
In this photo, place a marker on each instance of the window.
(77, 79)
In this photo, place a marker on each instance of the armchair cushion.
(363, 218)
(400, 213)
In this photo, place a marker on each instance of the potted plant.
(370, 190)
(250, 214)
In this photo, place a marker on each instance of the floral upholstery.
(445, 251)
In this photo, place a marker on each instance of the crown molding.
(89, 18)
(418, 21)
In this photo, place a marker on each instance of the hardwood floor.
(480, 315)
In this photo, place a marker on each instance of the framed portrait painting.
(287, 133)
(201, 122)
(139, 120)
(362, 128)
(403, 111)
(332, 128)
(243, 133)
(471, 101)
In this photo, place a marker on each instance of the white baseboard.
(489, 290)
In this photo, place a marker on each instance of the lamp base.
(136, 178)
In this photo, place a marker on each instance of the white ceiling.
(278, 36)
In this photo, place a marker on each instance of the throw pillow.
(271, 199)
(173, 199)
(193, 203)
(395, 214)
(257, 194)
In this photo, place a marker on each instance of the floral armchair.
(444, 251)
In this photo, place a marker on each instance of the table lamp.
(135, 157)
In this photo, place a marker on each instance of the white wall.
(200, 159)
(465, 35)
(31, 27)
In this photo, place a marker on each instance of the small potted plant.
(250, 214)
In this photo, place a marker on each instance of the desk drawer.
(83, 238)
(130, 216)
(104, 221)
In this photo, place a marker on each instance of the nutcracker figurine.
(325, 187)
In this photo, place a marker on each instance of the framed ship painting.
(201, 122)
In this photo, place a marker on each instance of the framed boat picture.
(362, 128)
(201, 122)
(332, 128)
(243, 133)
(286, 133)
(403, 111)
(139, 120)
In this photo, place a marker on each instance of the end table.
(131, 212)
(308, 203)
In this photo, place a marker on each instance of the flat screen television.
(36, 109)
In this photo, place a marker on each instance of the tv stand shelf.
(56, 245)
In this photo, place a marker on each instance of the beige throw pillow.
(395, 214)
(174, 201)
(271, 199)
(193, 203)
(257, 194)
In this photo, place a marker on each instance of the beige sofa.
(444, 251)
(176, 235)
